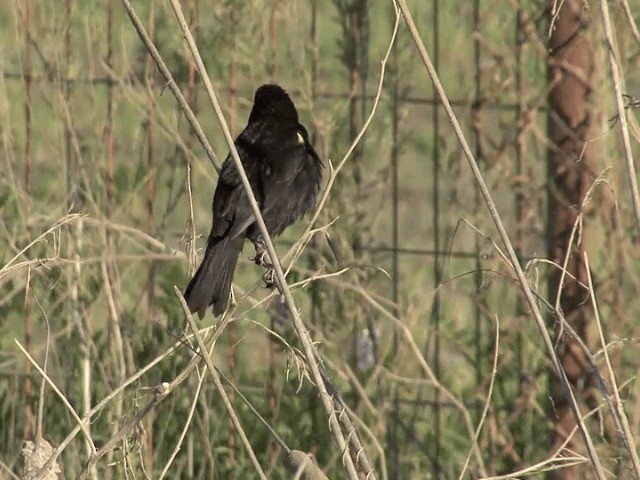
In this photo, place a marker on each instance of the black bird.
(284, 172)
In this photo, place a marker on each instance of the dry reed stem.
(302, 332)
(278, 439)
(218, 383)
(57, 225)
(632, 23)
(133, 378)
(504, 236)
(40, 416)
(9, 472)
(555, 461)
(187, 423)
(61, 395)
(171, 83)
(487, 403)
(303, 467)
(160, 392)
(415, 349)
(622, 111)
(617, 409)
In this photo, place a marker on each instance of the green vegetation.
(111, 156)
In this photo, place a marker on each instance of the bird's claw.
(262, 258)
(269, 278)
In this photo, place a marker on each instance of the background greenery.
(102, 137)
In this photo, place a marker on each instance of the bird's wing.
(232, 213)
(274, 155)
(292, 183)
(284, 172)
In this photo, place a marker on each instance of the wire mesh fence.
(106, 199)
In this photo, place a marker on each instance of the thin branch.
(9, 471)
(133, 378)
(487, 403)
(171, 83)
(622, 112)
(632, 23)
(617, 410)
(55, 388)
(504, 236)
(218, 383)
(187, 423)
(365, 126)
(40, 416)
(159, 393)
(301, 330)
(58, 224)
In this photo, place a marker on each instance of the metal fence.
(433, 234)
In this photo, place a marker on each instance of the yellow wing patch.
(300, 138)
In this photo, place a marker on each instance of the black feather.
(284, 172)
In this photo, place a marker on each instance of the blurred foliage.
(141, 239)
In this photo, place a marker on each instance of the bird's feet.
(269, 278)
(262, 257)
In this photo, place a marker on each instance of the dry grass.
(396, 365)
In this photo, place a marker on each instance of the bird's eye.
(300, 138)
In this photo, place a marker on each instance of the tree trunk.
(570, 72)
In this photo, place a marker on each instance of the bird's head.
(272, 101)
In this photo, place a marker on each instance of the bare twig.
(632, 23)
(40, 416)
(173, 86)
(504, 236)
(187, 423)
(117, 391)
(55, 388)
(555, 461)
(57, 225)
(218, 383)
(8, 471)
(617, 409)
(159, 393)
(487, 403)
(303, 334)
(376, 99)
(622, 112)
(415, 349)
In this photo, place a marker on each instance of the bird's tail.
(211, 284)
